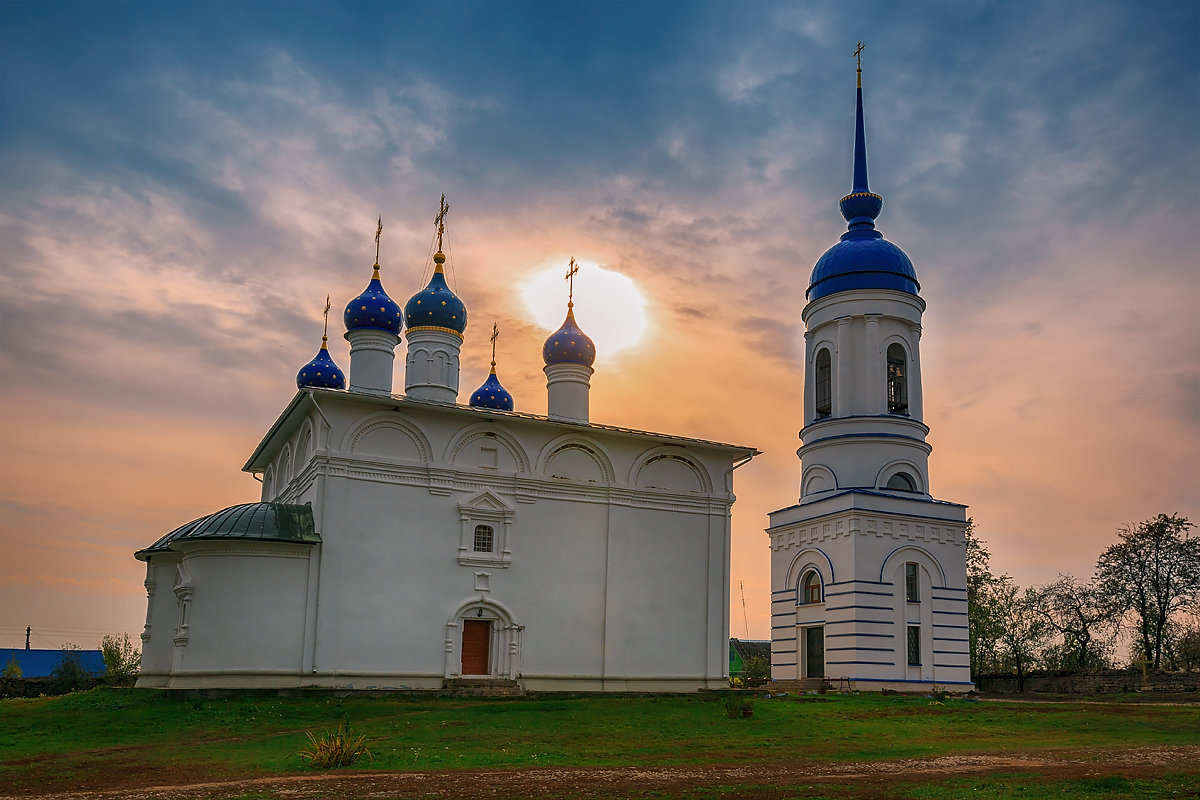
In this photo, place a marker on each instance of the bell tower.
(868, 569)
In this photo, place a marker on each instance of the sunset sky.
(183, 183)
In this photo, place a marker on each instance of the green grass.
(78, 738)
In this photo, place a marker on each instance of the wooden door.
(814, 646)
(476, 643)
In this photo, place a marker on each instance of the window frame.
(912, 582)
(823, 384)
(897, 379)
(810, 581)
(914, 645)
(490, 534)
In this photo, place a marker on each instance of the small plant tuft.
(738, 706)
(332, 749)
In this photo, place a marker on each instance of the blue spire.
(860, 145)
(863, 259)
(861, 206)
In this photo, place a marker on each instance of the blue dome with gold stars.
(373, 309)
(492, 395)
(436, 306)
(321, 372)
(569, 345)
(863, 259)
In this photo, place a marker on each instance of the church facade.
(868, 570)
(406, 540)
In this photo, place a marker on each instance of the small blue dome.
(863, 259)
(492, 395)
(321, 372)
(569, 345)
(373, 309)
(436, 306)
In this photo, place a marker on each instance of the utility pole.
(28, 629)
(745, 620)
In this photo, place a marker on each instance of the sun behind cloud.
(609, 307)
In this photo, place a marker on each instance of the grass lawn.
(112, 738)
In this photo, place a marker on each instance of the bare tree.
(1153, 572)
(1083, 615)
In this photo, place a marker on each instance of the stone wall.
(1106, 682)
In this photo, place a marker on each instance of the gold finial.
(495, 336)
(572, 268)
(378, 234)
(858, 58)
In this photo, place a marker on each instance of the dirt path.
(766, 781)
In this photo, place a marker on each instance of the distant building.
(41, 663)
(404, 541)
(742, 650)
(868, 569)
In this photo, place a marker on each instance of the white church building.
(408, 541)
(868, 570)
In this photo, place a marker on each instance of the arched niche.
(385, 436)
(575, 458)
(488, 446)
(817, 478)
(670, 469)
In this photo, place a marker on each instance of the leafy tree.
(983, 623)
(1153, 572)
(121, 658)
(1024, 629)
(1187, 646)
(68, 673)
(1083, 615)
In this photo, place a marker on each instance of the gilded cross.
(378, 234)
(858, 55)
(570, 278)
(325, 334)
(440, 219)
(495, 336)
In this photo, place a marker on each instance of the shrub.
(339, 748)
(121, 658)
(12, 670)
(757, 671)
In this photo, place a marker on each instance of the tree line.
(1146, 584)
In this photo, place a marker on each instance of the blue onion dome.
(436, 307)
(373, 308)
(568, 344)
(321, 372)
(492, 395)
(863, 259)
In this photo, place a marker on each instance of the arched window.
(824, 384)
(484, 536)
(897, 380)
(811, 588)
(903, 482)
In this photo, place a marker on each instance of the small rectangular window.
(483, 539)
(914, 645)
(911, 584)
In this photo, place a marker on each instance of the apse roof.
(276, 522)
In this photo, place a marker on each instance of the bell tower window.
(902, 481)
(897, 380)
(824, 384)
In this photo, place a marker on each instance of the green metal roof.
(274, 522)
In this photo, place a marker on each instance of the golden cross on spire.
(440, 220)
(495, 336)
(572, 268)
(378, 234)
(858, 58)
(325, 333)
